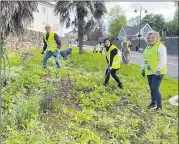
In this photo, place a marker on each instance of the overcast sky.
(167, 9)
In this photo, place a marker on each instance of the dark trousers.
(154, 84)
(113, 74)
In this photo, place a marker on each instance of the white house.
(46, 15)
(132, 32)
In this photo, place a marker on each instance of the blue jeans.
(154, 84)
(48, 54)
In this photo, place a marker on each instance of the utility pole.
(139, 35)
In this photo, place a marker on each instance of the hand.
(157, 72)
(110, 67)
(42, 52)
(143, 73)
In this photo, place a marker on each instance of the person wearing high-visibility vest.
(113, 61)
(125, 47)
(98, 48)
(52, 45)
(154, 65)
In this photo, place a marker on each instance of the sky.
(167, 9)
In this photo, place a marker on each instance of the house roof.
(48, 3)
(133, 30)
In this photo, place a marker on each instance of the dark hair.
(108, 40)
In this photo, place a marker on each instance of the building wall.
(144, 31)
(46, 16)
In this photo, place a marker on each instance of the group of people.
(124, 50)
(154, 60)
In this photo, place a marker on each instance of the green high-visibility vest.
(116, 60)
(51, 43)
(151, 59)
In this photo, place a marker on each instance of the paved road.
(135, 57)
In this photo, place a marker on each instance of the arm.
(45, 45)
(162, 54)
(142, 65)
(57, 39)
(112, 54)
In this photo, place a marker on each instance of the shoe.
(158, 108)
(152, 105)
(120, 86)
(105, 84)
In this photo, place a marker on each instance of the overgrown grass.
(71, 106)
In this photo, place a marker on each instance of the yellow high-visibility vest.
(51, 43)
(127, 44)
(116, 60)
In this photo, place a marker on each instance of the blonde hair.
(154, 33)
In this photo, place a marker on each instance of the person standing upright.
(125, 47)
(52, 44)
(154, 65)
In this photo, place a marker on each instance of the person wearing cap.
(113, 61)
(125, 47)
(52, 44)
(154, 66)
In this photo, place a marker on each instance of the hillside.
(71, 106)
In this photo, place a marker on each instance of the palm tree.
(14, 14)
(84, 12)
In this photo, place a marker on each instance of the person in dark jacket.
(52, 44)
(113, 61)
(65, 53)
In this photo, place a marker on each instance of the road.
(135, 57)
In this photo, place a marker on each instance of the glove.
(109, 67)
(158, 75)
(143, 72)
(42, 52)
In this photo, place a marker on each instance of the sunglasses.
(47, 27)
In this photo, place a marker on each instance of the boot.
(120, 85)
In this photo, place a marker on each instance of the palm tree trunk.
(80, 30)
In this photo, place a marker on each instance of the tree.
(171, 27)
(156, 21)
(134, 21)
(14, 14)
(84, 14)
(98, 32)
(117, 19)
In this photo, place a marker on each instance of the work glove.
(143, 72)
(158, 74)
(42, 52)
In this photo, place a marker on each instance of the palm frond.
(14, 14)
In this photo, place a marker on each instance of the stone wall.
(29, 40)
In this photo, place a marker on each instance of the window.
(55, 27)
(145, 31)
(43, 10)
(44, 24)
